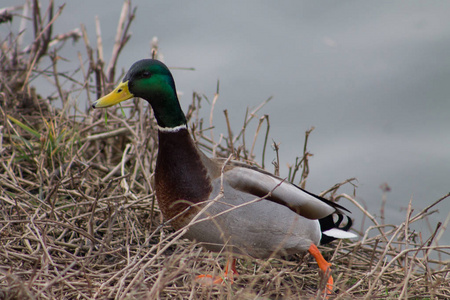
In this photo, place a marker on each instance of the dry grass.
(79, 218)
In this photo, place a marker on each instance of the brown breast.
(181, 179)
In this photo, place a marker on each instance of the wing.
(262, 184)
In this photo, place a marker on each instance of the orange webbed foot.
(209, 280)
(324, 266)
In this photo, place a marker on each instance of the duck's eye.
(146, 74)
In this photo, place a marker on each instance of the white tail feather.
(339, 234)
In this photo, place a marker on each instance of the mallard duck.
(236, 208)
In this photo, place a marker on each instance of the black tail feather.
(328, 223)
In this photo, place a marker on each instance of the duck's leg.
(230, 272)
(324, 266)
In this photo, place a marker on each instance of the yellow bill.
(120, 93)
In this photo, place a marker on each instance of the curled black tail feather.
(328, 223)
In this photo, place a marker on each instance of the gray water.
(373, 78)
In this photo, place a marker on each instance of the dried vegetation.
(78, 217)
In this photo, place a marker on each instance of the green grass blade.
(25, 127)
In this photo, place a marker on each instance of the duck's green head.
(151, 80)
